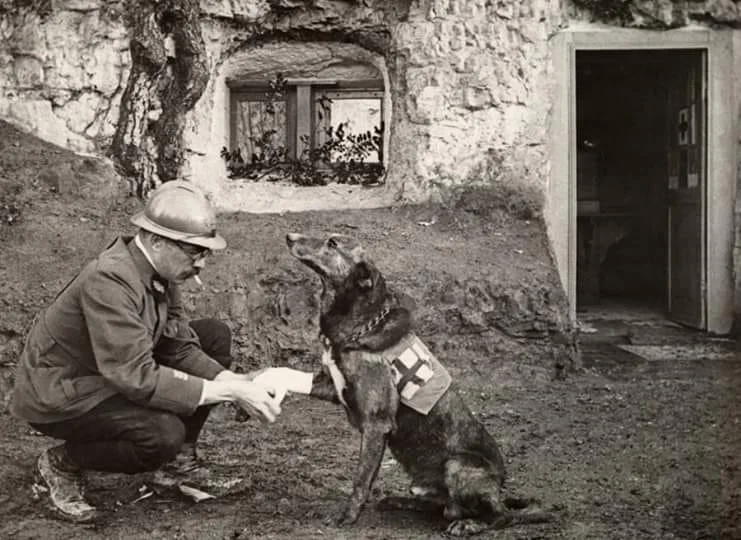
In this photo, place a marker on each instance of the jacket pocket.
(47, 387)
(41, 345)
(80, 387)
(43, 341)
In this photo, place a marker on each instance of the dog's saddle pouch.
(420, 378)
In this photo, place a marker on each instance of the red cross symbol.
(408, 374)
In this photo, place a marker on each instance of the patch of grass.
(521, 202)
(494, 187)
(11, 205)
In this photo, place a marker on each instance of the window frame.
(360, 91)
(256, 91)
(300, 105)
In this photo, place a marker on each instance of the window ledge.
(279, 197)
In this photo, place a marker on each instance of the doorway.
(641, 183)
(644, 269)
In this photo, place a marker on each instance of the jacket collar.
(138, 243)
(143, 266)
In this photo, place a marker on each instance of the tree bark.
(164, 85)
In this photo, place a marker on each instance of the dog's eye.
(332, 243)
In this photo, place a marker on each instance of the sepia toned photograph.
(370, 269)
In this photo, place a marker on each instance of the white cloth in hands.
(281, 380)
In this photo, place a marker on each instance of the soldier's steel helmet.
(178, 210)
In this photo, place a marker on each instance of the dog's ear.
(364, 275)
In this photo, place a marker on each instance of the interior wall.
(621, 128)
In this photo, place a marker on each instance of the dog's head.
(357, 308)
(334, 259)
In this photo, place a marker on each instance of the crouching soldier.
(114, 370)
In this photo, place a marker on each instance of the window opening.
(310, 132)
(358, 116)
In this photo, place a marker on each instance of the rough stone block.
(248, 9)
(106, 72)
(29, 38)
(475, 98)
(29, 72)
(78, 5)
(438, 8)
(726, 11)
(78, 113)
(430, 105)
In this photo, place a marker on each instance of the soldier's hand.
(256, 399)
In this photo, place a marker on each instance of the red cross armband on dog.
(420, 378)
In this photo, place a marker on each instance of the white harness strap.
(337, 378)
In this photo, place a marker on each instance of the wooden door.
(686, 188)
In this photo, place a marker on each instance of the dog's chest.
(419, 379)
(338, 379)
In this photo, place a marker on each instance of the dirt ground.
(626, 447)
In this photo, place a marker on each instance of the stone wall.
(473, 82)
(469, 82)
(464, 78)
(62, 75)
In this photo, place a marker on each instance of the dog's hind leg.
(475, 504)
(490, 512)
(422, 499)
(471, 526)
(415, 504)
(480, 513)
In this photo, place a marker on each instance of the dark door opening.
(629, 132)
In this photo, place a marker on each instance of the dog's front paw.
(465, 527)
(347, 514)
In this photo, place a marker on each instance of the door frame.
(720, 192)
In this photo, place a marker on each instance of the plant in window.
(276, 92)
(344, 154)
(338, 154)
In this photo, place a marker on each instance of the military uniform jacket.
(112, 330)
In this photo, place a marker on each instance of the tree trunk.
(165, 82)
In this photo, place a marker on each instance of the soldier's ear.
(364, 275)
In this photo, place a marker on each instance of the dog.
(398, 395)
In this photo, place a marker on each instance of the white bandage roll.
(285, 379)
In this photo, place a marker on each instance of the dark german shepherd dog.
(397, 394)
